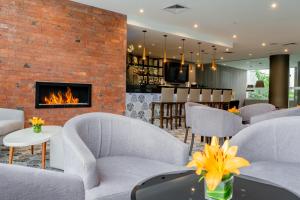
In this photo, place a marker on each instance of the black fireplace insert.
(62, 95)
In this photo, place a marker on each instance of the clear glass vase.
(37, 129)
(224, 190)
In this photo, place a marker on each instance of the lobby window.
(258, 93)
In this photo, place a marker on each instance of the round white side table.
(26, 137)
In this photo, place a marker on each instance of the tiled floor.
(22, 156)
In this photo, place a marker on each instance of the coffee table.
(185, 186)
(26, 137)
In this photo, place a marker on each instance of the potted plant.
(37, 124)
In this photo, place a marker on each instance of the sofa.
(113, 153)
(10, 120)
(272, 147)
(249, 111)
(26, 183)
(276, 114)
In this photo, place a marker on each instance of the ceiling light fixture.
(263, 44)
(274, 5)
(141, 10)
(222, 58)
(226, 49)
(234, 36)
(195, 25)
(144, 50)
(182, 53)
(165, 48)
(286, 50)
(140, 46)
(250, 54)
(179, 47)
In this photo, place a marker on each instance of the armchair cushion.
(8, 126)
(119, 175)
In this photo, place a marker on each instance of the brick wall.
(61, 41)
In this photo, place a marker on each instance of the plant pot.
(224, 190)
(37, 129)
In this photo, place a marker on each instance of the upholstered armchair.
(255, 109)
(276, 114)
(210, 122)
(272, 147)
(26, 183)
(113, 153)
(10, 120)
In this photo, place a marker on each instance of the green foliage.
(261, 93)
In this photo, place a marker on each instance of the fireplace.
(62, 95)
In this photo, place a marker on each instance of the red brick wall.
(61, 41)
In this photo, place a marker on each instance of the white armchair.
(210, 122)
(10, 120)
(247, 112)
(26, 183)
(112, 153)
(272, 147)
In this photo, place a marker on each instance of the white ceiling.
(253, 21)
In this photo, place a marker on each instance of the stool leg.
(167, 124)
(180, 114)
(192, 144)
(176, 114)
(161, 115)
(171, 116)
(152, 113)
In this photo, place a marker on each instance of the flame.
(61, 98)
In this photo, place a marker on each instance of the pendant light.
(199, 62)
(144, 49)
(165, 49)
(182, 53)
(191, 65)
(213, 60)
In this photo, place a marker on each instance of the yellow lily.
(234, 110)
(36, 121)
(215, 162)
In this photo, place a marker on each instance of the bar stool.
(205, 97)
(194, 95)
(181, 99)
(167, 98)
(216, 98)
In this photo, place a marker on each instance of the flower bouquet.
(37, 124)
(217, 165)
(234, 110)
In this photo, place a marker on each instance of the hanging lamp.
(182, 53)
(165, 49)
(200, 62)
(213, 60)
(144, 49)
(191, 65)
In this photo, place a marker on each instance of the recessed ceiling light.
(274, 5)
(263, 44)
(286, 50)
(141, 10)
(234, 36)
(226, 49)
(140, 46)
(179, 47)
(250, 54)
(150, 52)
(222, 58)
(195, 25)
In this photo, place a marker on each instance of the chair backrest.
(11, 114)
(227, 95)
(208, 121)
(206, 95)
(270, 140)
(188, 117)
(255, 109)
(182, 94)
(275, 114)
(167, 94)
(216, 95)
(194, 95)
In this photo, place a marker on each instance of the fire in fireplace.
(62, 95)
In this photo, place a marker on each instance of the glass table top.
(186, 186)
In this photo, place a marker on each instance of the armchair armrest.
(78, 158)
(23, 183)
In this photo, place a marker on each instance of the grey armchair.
(112, 153)
(210, 122)
(247, 112)
(276, 114)
(272, 147)
(25, 183)
(10, 120)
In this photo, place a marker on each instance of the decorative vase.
(37, 129)
(224, 190)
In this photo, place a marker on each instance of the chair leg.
(186, 134)
(192, 144)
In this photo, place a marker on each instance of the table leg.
(44, 155)
(32, 149)
(11, 155)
